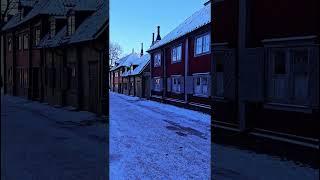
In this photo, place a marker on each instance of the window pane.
(199, 45)
(280, 62)
(174, 54)
(179, 50)
(300, 62)
(206, 43)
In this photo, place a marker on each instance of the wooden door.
(35, 84)
(93, 86)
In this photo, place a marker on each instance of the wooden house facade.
(131, 75)
(67, 58)
(266, 66)
(181, 63)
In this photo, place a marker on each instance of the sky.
(132, 22)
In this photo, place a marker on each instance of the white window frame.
(157, 59)
(9, 44)
(37, 36)
(204, 46)
(157, 84)
(289, 75)
(176, 84)
(176, 56)
(20, 41)
(52, 27)
(25, 41)
(201, 92)
(71, 25)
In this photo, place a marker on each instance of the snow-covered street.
(42, 142)
(150, 140)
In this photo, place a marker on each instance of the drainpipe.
(14, 64)
(79, 76)
(242, 39)
(186, 68)
(30, 88)
(4, 80)
(164, 81)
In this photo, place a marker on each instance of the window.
(71, 24)
(176, 54)
(157, 60)
(157, 84)
(176, 84)
(37, 36)
(25, 41)
(201, 86)
(280, 62)
(202, 44)
(9, 44)
(20, 42)
(73, 72)
(116, 74)
(52, 27)
(289, 75)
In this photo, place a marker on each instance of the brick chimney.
(158, 35)
(152, 39)
(141, 53)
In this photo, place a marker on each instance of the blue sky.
(132, 22)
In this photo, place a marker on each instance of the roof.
(143, 62)
(127, 61)
(28, 3)
(89, 29)
(194, 22)
(91, 26)
(51, 7)
(57, 40)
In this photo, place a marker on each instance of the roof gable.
(194, 22)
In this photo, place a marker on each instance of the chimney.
(206, 3)
(152, 39)
(141, 53)
(132, 50)
(158, 36)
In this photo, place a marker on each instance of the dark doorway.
(93, 86)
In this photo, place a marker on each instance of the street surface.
(150, 140)
(40, 142)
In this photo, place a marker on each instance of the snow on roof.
(91, 26)
(87, 30)
(194, 22)
(55, 41)
(53, 7)
(127, 61)
(142, 62)
(12, 21)
(28, 3)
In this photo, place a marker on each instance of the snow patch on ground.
(151, 140)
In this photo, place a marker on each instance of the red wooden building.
(266, 67)
(56, 51)
(181, 63)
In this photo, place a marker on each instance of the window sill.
(201, 95)
(202, 54)
(288, 107)
(176, 62)
(175, 92)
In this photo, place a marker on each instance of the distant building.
(266, 66)
(181, 63)
(55, 52)
(131, 75)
